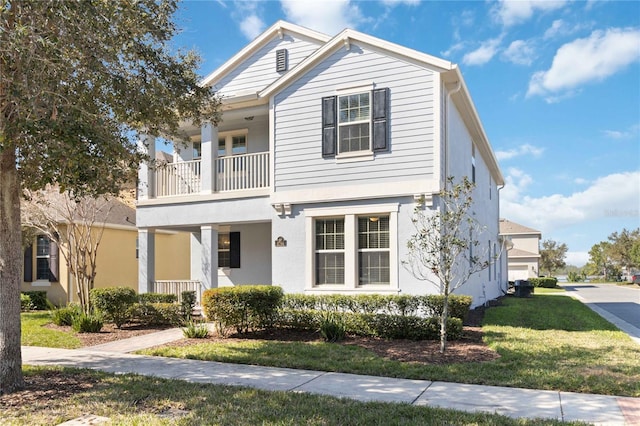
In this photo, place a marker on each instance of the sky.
(556, 85)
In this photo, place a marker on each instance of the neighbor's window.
(354, 122)
(373, 250)
(329, 251)
(43, 253)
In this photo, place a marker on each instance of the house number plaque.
(281, 242)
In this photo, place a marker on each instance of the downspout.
(446, 130)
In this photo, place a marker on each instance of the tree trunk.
(443, 323)
(10, 274)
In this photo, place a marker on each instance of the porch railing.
(180, 178)
(177, 287)
(232, 173)
(238, 172)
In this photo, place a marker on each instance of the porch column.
(209, 146)
(209, 241)
(146, 175)
(146, 260)
(196, 257)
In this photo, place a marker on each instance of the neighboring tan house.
(523, 251)
(325, 148)
(45, 269)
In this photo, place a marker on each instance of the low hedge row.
(402, 305)
(546, 282)
(37, 300)
(242, 307)
(372, 325)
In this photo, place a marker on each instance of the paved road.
(619, 305)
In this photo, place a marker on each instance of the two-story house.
(523, 250)
(310, 180)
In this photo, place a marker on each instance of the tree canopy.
(79, 80)
(620, 253)
(552, 255)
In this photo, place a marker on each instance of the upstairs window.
(354, 122)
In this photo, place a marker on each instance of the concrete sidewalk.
(512, 402)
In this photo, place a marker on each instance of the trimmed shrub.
(545, 282)
(39, 300)
(114, 302)
(195, 330)
(157, 314)
(25, 302)
(458, 305)
(157, 298)
(188, 302)
(372, 325)
(65, 315)
(243, 307)
(83, 323)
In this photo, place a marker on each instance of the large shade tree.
(78, 81)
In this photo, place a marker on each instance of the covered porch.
(220, 255)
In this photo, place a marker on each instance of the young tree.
(552, 256)
(621, 250)
(445, 250)
(76, 226)
(78, 81)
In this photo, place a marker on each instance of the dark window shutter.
(54, 261)
(380, 116)
(234, 249)
(329, 126)
(28, 264)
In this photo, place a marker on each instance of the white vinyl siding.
(259, 70)
(298, 127)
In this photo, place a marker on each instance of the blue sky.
(556, 85)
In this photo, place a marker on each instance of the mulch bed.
(51, 385)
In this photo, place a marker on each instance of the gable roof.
(277, 29)
(514, 252)
(449, 72)
(511, 228)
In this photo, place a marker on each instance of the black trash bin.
(523, 288)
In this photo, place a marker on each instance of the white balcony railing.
(233, 173)
(177, 287)
(238, 172)
(180, 178)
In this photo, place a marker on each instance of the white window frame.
(41, 282)
(351, 275)
(373, 250)
(228, 140)
(361, 154)
(317, 251)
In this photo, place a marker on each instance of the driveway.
(619, 305)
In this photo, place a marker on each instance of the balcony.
(232, 173)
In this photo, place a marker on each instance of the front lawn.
(545, 342)
(58, 395)
(35, 332)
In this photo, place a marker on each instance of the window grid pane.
(354, 113)
(373, 250)
(329, 251)
(224, 250)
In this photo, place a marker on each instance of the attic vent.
(281, 60)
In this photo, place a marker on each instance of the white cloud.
(522, 150)
(251, 26)
(510, 12)
(455, 48)
(397, 2)
(581, 61)
(548, 213)
(484, 53)
(577, 258)
(520, 52)
(580, 181)
(557, 27)
(329, 16)
(629, 133)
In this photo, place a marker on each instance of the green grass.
(138, 400)
(34, 332)
(544, 290)
(544, 342)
